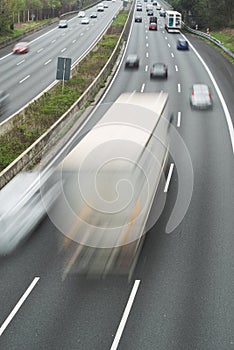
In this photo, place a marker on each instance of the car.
(105, 6)
(159, 70)
(182, 44)
(26, 198)
(149, 7)
(153, 26)
(139, 8)
(63, 23)
(138, 19)
(154, 3)
(153, 19)
(132, 61)
(21, 47)
(158, 7)
(162, 13)
(4, 99)
(93, 15)
(150, 13)
(81, 14)
(200, 97)
(100, 8)
(85, 20)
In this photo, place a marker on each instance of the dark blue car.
(182, 44)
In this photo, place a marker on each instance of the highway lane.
(185, 298)
(25, 76)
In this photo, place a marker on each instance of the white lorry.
(173, 21)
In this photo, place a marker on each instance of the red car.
(152, 26)
(21, 47)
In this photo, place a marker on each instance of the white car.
(200, 97)
(85, 20)
(100, 8)
(63, 23)
(24, 202)
(81, 14)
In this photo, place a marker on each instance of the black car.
(132, 61)
(138, 19)
(153, 19)
(93, 15)
(182, 44)
(158, 70)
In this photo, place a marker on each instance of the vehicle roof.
(173, 12)
(16, 189)
(133, 118)
(200, 88)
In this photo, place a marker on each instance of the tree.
(5, 15)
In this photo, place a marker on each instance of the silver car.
(200, 97)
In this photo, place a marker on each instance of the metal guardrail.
(208, 37)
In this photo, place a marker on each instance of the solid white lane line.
(225, 108)
(179, 87)
(21, 81)
(20, 62)
(178, 119)
(18, 305)
(142, 87)
(169, 177)
(125, 315)
(47, 62)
